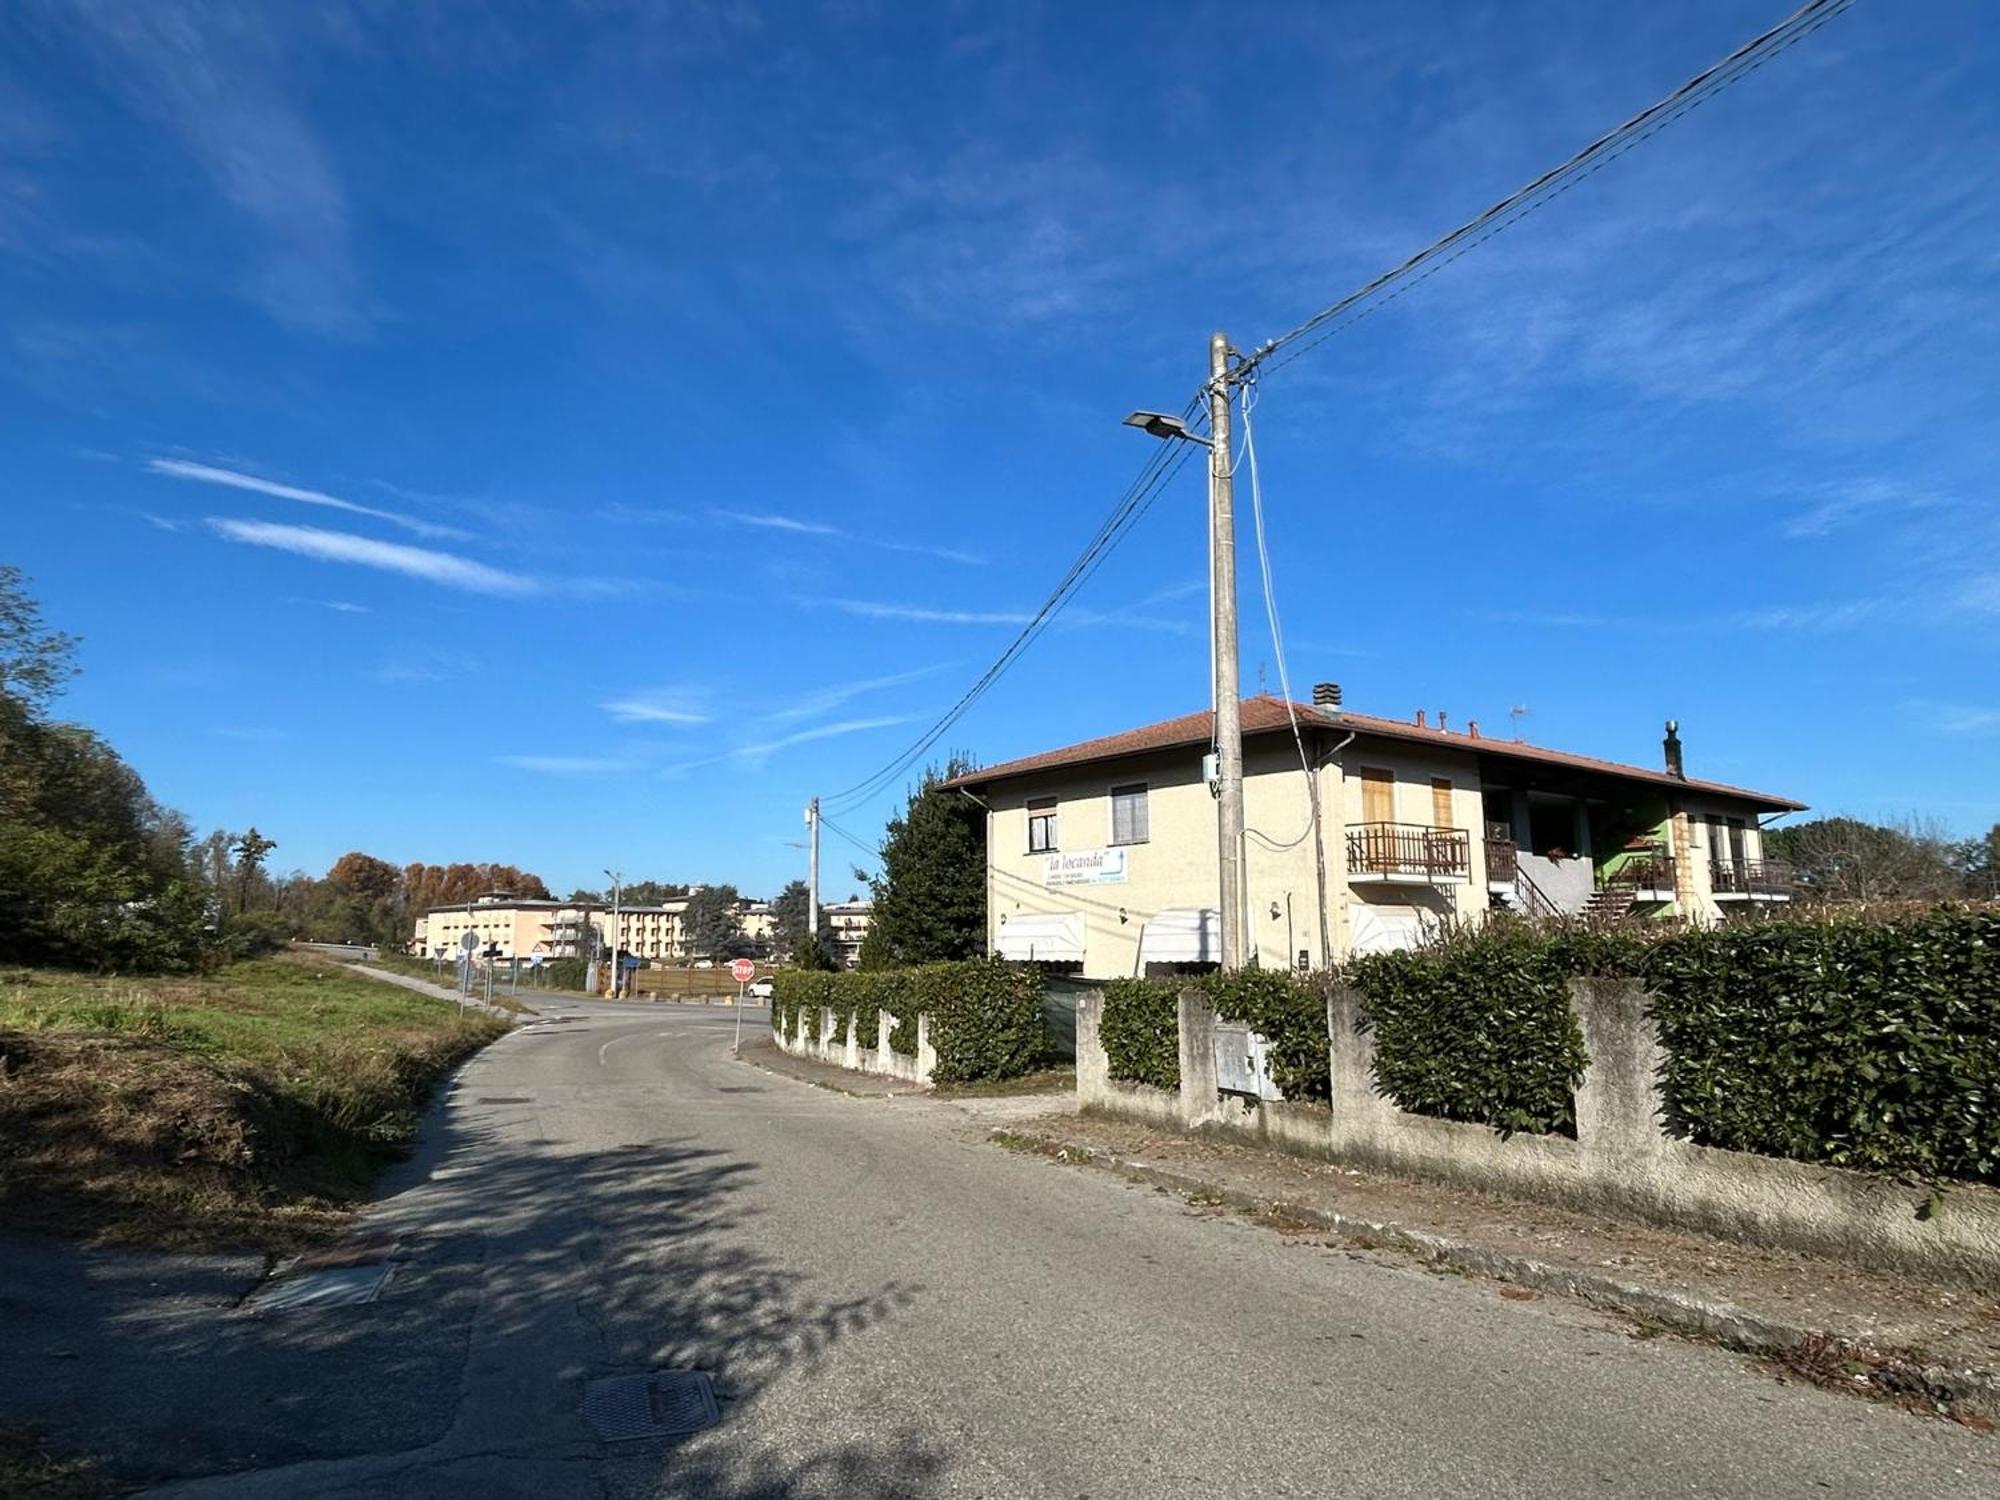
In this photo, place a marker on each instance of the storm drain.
(504, 1099)
(666, 1403)
(337, 1286)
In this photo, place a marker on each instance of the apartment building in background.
(521, 928)
(1101, 856)
(849, 922)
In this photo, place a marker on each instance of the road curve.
(890, 1306)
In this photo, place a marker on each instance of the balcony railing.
(1408, 850)
(1752, 877)
(1503, 855)
(1648, 869)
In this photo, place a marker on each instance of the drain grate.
(666, 1403)
(504, 1099)
(337, 1286)
(739, 1089)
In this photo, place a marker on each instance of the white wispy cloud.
(566, 765)
(819, 732)
(1961, 720)
(1837, 615)
(342, 607)
(180, 468)
(827, 699)
(1850, 502)
(799, 525)
(873, 609)
(667, 705)
(770, 521)
(390, 557)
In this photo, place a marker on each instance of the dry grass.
(249, 1109)
(29, 1471)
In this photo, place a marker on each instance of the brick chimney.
(1421, 724)
(1675, 768)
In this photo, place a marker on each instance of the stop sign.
(742, 970)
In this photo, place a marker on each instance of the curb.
(1822, 1357)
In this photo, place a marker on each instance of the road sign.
(535, 959)
(469, 941)
(742, 970)
(633, 961)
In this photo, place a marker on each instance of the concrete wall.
(837, 1045)
(1621, 1161)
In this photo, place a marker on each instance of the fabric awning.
(1192, 935)
(1047, 937)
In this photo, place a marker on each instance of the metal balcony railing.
(1648, 869)
(1408, 849)
(1752, 877)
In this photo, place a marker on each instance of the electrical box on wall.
(1211, 772)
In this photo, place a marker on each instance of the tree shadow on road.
(523, 1272)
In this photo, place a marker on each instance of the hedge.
(1141, 1031)
(986, 1018)
(1480, 1030)
(986, 1015)
(1861, 1043)
(1291, 1017)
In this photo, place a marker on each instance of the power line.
(868, 849)
(1275, 353)
(1159, 469)
(1510, 210)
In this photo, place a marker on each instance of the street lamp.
(1160, 425)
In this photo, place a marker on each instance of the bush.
(986, 1018)
(1480, 1030)
(1289, 1015)
(1141, 1031)
(800, 992)
(1865, 1044)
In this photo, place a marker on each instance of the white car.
(761, 989)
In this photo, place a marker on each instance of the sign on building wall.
(1085, 867)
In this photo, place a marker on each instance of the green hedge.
(1289, 1014)
(1480, 1030)
(1861, 1043)
(1141, 1031)
(986, 1016)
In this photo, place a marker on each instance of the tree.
(930, 899)
(710, 923)
(35, 661)
(250, 851)
(652, 892)
(93, 871)
(788, 929)
(1844, 859)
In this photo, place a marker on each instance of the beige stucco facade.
(1420, 831)
(556, 929)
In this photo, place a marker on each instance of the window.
(1042, 825)
(1128, 814)
(1441, 802)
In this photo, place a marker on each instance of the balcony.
(1647, 871)
(1407, 853)
(1752, 879)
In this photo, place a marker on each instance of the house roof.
(1265, 714)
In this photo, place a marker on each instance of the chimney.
(1326, 695)
(1673, 746)
(1440, 721)
(1472, 729)
(1420, 720)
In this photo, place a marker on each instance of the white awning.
(1047, 937)
(1192, 935)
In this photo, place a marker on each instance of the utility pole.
(1228, 700)
(812, 873)
(617, 972)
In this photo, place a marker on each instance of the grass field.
(250, 1108)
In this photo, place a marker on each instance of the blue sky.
(574, 438)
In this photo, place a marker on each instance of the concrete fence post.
(926, 1053)
(1618, 1103)
(853, 1047)
(799, 1031)
(826, 1032)
(1199, 1100)
(885, 1022)
(1359, 1107)
(1093, 1066)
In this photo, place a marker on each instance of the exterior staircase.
(1610, 903)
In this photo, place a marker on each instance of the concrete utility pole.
(617, 974)
(1228, 702)
(812, 874)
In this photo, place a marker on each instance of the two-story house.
(1101, 856)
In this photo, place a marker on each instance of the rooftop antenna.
(1516, 714)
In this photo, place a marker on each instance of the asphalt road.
(891, 1306)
